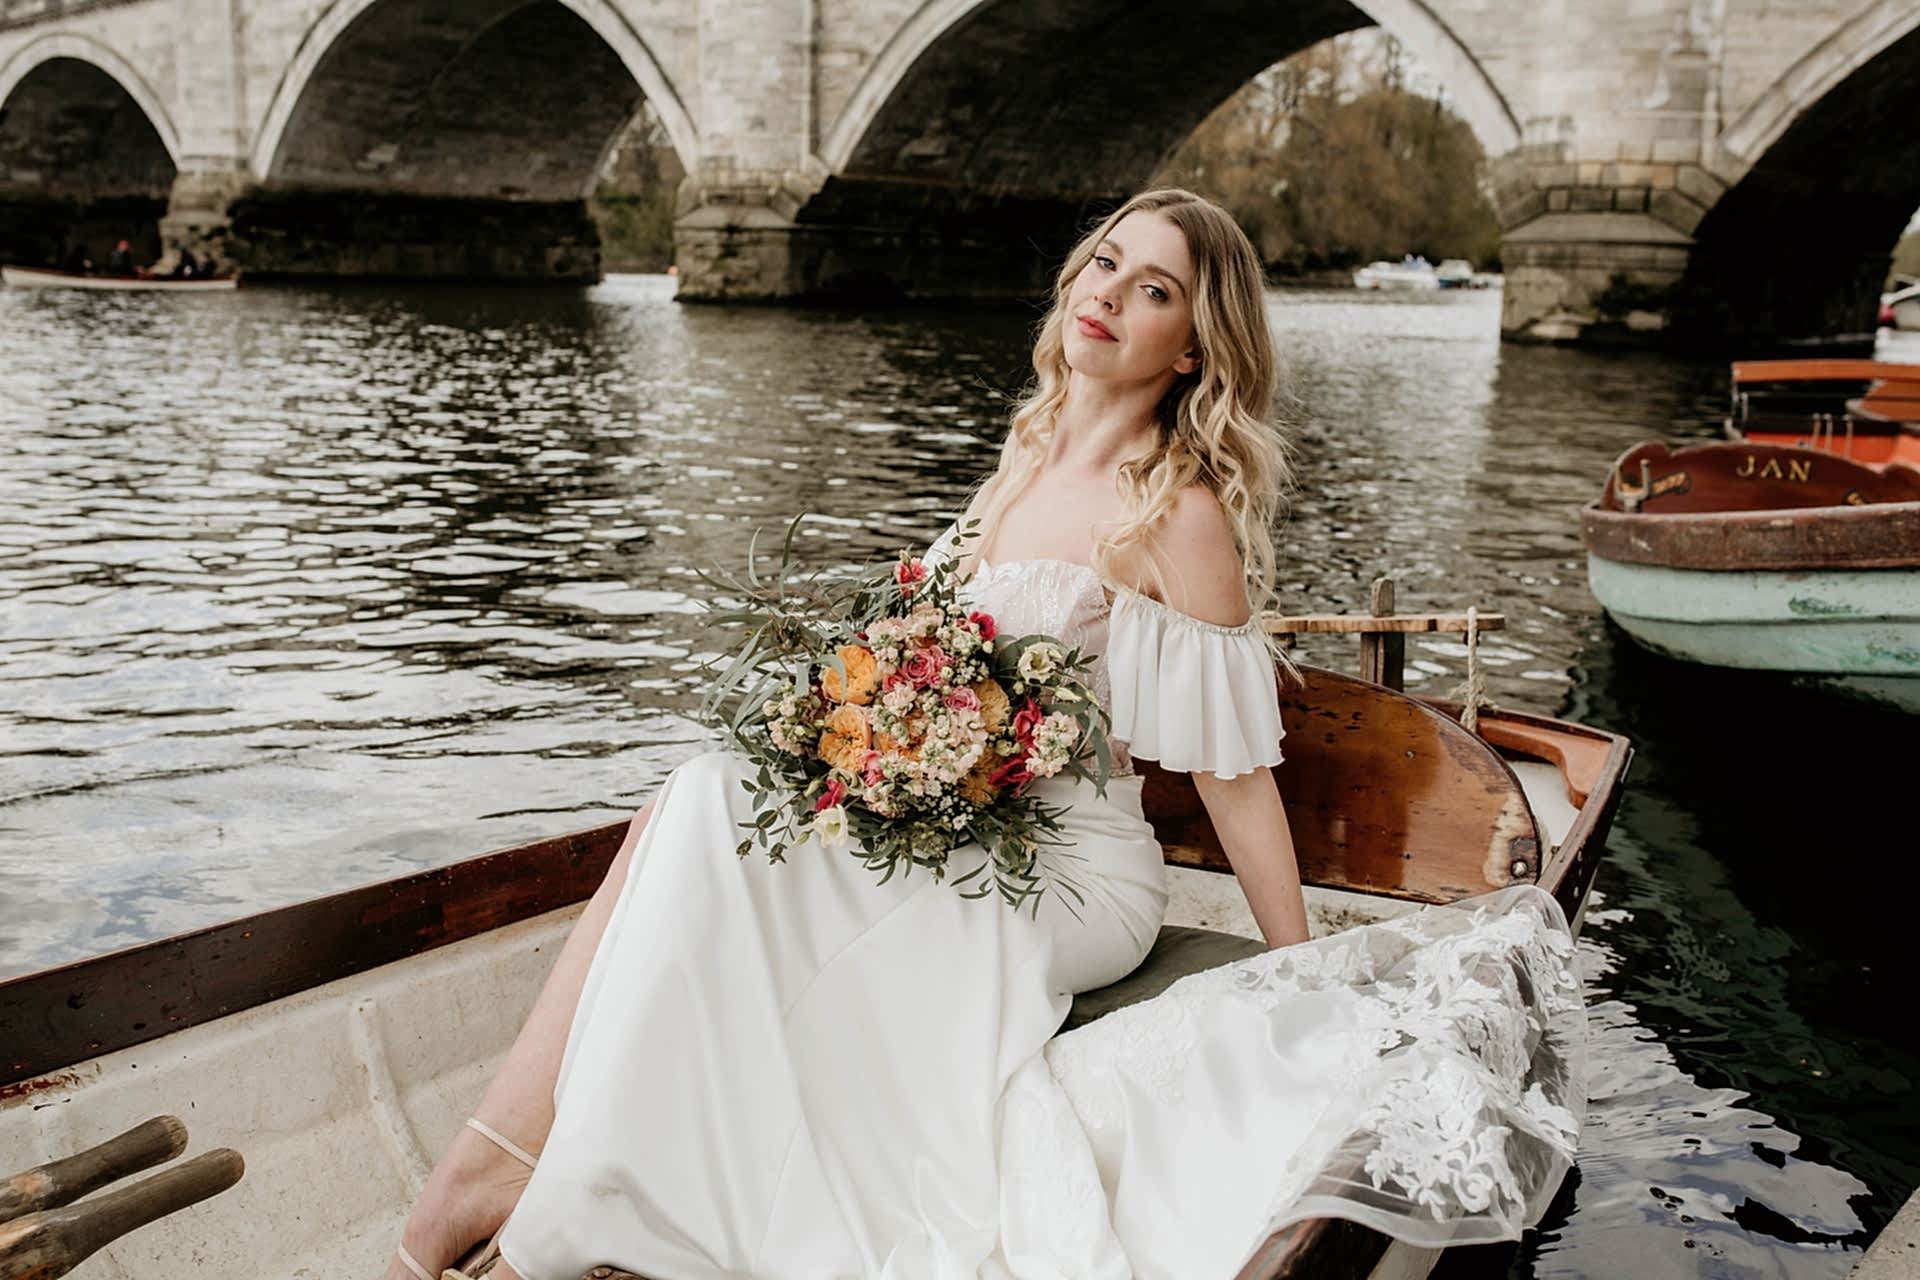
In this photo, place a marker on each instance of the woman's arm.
(1246, 810)
(1252, 825)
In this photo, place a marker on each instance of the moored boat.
(1865, 410)
(1902, 307)
(1415, 275)
(42, 278)
(339, 1042)
(1764, 556)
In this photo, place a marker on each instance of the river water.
(305, 587)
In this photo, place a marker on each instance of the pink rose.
(870, 772)
(984, 622)
(962, 700)
(1027, 721)
(925, 665)
(909, 574)
(836, 792)
(895, 680)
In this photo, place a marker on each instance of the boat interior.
(339, 1044)
(1867, 411)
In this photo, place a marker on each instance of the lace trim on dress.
(1465, 1109)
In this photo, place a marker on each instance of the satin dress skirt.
(792, 1071)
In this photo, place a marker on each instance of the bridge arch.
(1824, 174)
(934, 47)
(88, 153)
(71, 47)
(345, 20)
(1817, 73)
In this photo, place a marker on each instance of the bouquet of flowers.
(888, 719)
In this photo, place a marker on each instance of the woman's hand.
(1252, 825)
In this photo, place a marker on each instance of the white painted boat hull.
(28, 278)
(1862, 622)
(1395, 277)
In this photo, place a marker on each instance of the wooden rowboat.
(1864, 410)
(339, 1043)
(38, 278)
(1764, 556)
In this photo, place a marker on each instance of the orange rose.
(994, 703)
(863, 676)
(888, 745)
(847, 739)
(977, 786)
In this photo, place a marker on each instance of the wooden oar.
(52, 1242)
(63, 1181)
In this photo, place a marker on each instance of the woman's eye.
(1155, 292)
(1106, 264)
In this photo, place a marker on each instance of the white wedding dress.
(791, 1072)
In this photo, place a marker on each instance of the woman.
(741, 1069)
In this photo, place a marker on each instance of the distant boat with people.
(47, 278)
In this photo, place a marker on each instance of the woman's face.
(1130, 311)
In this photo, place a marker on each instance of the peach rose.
(977, 787)
(862, 679)
(889, 745)
(847, 738)
(994, 703)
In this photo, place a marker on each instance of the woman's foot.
(467, 1198)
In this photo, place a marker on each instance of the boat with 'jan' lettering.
(41, 278)
(1773, 557)
(1865, 410)
(338, 1043)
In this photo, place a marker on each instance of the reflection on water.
(305, 587)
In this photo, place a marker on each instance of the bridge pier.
(288, 232)
(316, 232)
(854, 240)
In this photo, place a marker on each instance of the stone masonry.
(1649, 155)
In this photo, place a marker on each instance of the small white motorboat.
(42, 278)
(1416, 274)
(1902, 306)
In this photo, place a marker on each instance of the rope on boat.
(1473, 694)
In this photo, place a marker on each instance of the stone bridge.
(1736, 169)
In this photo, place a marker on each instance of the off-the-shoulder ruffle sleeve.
(1194, 696)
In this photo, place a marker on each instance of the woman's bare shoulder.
(1201, 573)
(1207, 578)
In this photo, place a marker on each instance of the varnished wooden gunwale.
(1750, 506)
(65, 1015)
(1761, 372)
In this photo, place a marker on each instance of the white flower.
(1039, 661)
(830, 827)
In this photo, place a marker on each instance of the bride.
(792, 1072)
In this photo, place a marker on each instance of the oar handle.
(63, 1181)
(48, 1244)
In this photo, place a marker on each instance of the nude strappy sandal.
(479, 1261)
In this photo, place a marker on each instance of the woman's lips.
(1094, 329)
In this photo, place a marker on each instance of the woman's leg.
(476, 1184)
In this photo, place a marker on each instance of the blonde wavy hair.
(1218, 426)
